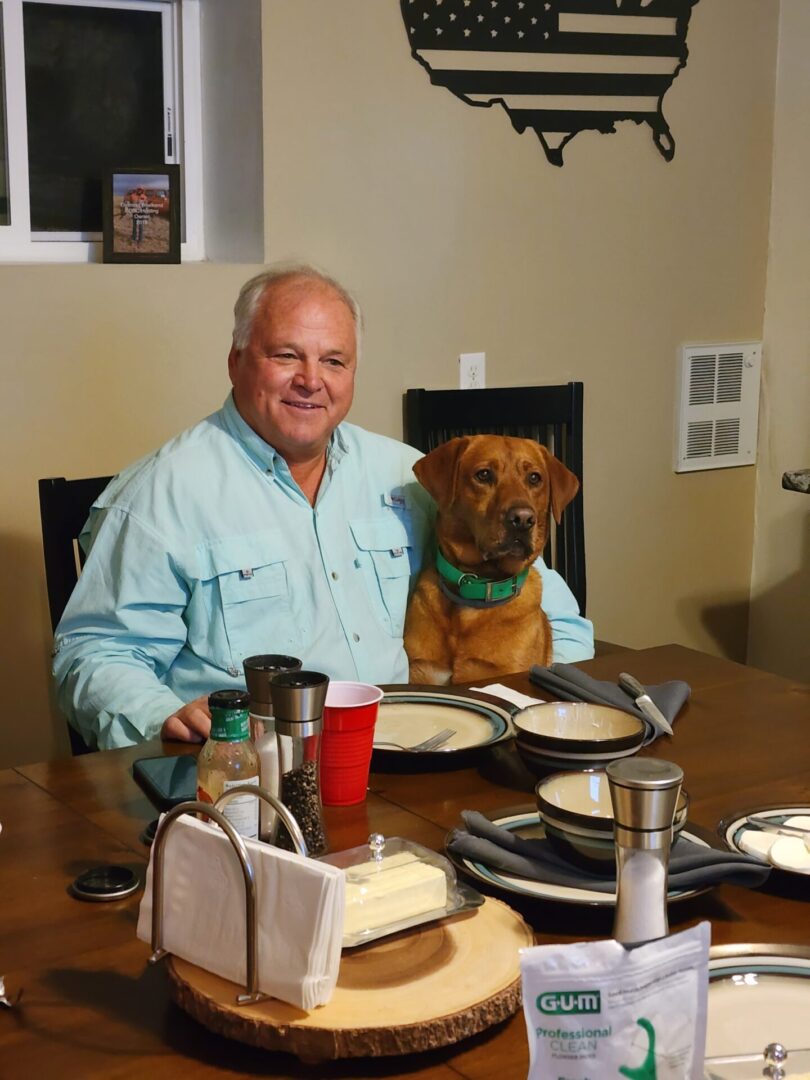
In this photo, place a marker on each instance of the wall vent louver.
(717, 406)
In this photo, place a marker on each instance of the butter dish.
(395, 884)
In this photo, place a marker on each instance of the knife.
(644, 702)
(770, 826)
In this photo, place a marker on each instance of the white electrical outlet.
(472, 371)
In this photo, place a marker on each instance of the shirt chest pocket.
(248, 583)
(384, 555)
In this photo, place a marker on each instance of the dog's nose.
(520, 517)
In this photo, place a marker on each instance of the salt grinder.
(259, 673)
(298, 700)
(644, 792)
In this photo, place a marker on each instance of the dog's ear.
(437, 471)
(562, 482)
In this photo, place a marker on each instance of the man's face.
(294, 381)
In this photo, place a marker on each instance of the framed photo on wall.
(141, 215)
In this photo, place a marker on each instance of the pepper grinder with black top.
(259, 673)
(298, 700)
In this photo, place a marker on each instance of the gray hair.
(251, 293)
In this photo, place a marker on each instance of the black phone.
(167, 781)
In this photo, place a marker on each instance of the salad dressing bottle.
(229, 759)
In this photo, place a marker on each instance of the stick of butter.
(397, 887)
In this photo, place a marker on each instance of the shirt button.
(356, 637)
(334, 575)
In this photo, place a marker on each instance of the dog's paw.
(422, 671)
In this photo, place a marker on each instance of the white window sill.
(46, 252)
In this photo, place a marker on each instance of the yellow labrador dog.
(476, 612)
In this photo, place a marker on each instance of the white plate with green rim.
(758, 995)
(527, 823)
(731, 828)
(409, 715)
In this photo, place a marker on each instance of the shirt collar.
(265, 455)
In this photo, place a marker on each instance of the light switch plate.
(472, 371)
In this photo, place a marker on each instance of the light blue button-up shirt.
(208, 551)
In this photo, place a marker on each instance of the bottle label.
(230, 725)
(243, 810)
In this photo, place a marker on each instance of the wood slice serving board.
(414, 991)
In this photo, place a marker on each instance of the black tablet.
(167, 781)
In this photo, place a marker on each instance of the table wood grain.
(93, 1008)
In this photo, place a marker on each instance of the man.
(270, 526)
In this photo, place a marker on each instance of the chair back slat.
(64, 506)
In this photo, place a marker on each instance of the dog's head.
(493, 494)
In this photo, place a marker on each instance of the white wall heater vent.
(717, 406)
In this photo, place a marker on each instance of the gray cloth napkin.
(564, 682)
(690, 866)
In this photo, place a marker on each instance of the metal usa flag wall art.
(556, 66)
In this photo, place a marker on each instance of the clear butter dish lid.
(394, 884)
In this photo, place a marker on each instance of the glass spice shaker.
(298, 699)
(644, 792)
(259, 672)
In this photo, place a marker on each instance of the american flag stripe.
(540, 103)
(486, 84)
(576, 23)
(675, 9)
(566, 124)
(615, 44)
(580, 63)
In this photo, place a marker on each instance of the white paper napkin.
(508, 694)
(299, 905)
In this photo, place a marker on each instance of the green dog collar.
(473, 587)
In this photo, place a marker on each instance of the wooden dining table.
(92, 1006)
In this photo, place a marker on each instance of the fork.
(433, 743)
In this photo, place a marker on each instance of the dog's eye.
(534, 478)
(484, 476)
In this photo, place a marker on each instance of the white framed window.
(87, 85)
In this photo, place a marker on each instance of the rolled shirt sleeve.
(121, 630)
(572, 633)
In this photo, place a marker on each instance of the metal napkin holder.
(252, 994)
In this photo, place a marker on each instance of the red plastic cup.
(349, 716)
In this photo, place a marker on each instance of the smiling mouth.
(305, 405)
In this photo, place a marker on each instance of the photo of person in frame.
(141, 213)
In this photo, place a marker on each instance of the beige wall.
(458, 236)
(100, 364)
(779, 637)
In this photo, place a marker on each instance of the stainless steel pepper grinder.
(298, 700)
(644, 792)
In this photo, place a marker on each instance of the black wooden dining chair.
(552, 415)
(64, 506)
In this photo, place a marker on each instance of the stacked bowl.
(565, 735)
(577, 815)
